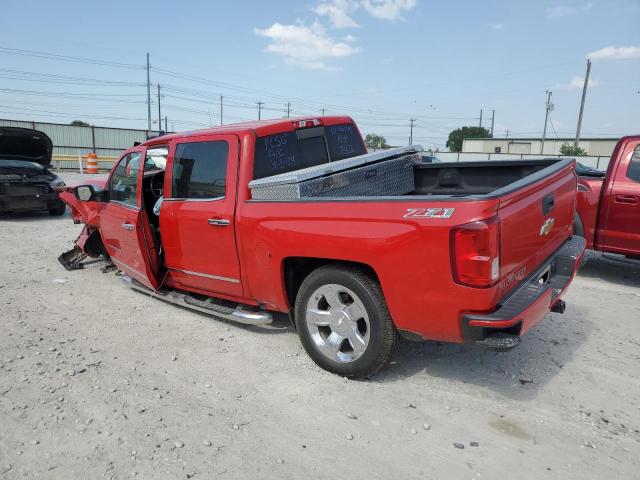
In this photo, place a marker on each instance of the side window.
(633, 171)
(200, 170)
(124, 181)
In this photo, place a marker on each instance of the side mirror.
(85, 193)
(89, 193)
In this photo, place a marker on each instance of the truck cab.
(608, 206)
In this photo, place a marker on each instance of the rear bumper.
(528, 304)
(30, 203)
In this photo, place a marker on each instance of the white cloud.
(305, 46)
(497, 26)
(615, 53)
(587, 6)
(339, 12)
(576, 83)
(388, 9)
(558, 11)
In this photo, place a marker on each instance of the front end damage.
(89, 243)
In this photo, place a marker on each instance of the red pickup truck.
(608, 207)
(476, 252)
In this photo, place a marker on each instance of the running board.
(209, 306)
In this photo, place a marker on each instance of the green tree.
(375, 141)
(454, 143)
(79, 123)
(572, 150)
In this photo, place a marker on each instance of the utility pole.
(412, 120)
(480, 118)
(507, 133)
(548, 108)
(493, 117)
(584, 96)
(148, 95)
(166, 124)
(288, 109)
(221, 109)
(259, 109)
(159, 115)
(323, 112)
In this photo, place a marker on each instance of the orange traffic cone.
(92, 163)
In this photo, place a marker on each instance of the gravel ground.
(100, 381)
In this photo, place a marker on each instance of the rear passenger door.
(620, 221)
(198, 212)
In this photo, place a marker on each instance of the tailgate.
(536, 218)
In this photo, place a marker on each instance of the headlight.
(57, 183)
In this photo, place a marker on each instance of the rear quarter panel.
(410, 256)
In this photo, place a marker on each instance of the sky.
(383, 62)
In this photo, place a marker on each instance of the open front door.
(124, 225)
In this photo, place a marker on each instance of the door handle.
(218, 222)
(628, 199)
(128, 226)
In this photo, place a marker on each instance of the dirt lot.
(100, 381)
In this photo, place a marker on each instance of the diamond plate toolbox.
(387, 173)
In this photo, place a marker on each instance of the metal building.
(593, 146)
(72, 141)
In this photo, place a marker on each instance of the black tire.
(58, 211)
(382, 333)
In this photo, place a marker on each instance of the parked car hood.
(25, 144)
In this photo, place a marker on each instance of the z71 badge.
(429, 212)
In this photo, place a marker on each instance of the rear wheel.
(343, 321)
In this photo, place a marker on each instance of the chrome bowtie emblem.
(547, 226)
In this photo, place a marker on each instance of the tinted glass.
(286, 152)
(200, 170)
(634, 167)
(124, 181)
(344, 141)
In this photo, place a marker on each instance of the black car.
(26, 184)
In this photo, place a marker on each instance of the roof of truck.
(260, 127)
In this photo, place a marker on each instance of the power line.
(66, 58)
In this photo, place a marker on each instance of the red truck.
(608, 206)
(476, 252)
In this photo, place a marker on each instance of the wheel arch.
(296, 269)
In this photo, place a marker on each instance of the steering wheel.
(157, 185)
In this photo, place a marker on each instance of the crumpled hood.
(25, 144)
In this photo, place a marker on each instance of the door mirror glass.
(84, 193)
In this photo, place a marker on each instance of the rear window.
(286, 152)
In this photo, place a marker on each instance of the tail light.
(475, 253)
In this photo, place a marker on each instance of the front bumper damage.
(539, 294)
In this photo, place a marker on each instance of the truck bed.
(480, 178)
(473, 180)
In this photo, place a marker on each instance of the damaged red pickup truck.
(474, 252)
